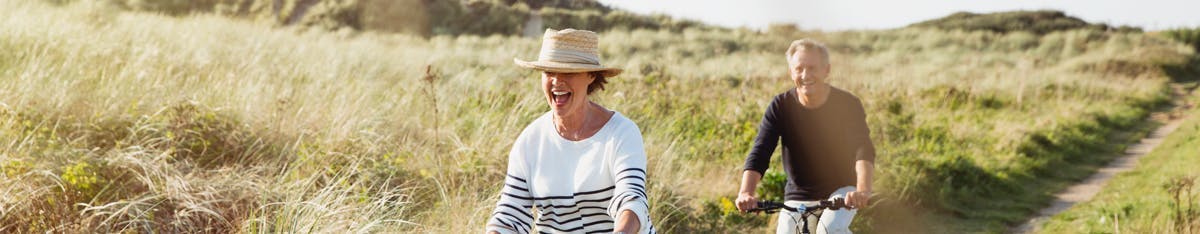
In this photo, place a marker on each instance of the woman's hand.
(627, 222)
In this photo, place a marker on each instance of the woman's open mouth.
(560, 98)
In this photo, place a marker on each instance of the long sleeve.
(766, 141)
(861, 135)
(629, 173)
(512, 214)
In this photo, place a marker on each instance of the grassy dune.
(121, 121)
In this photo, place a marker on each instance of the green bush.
(81, 177)
(772, 186)
(426, 18)
(1039, 22)
(1189, 36)
(1189, 71)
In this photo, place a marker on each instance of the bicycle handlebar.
(774, 206)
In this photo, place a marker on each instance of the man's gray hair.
(807, 44)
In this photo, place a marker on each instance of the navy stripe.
(597, 222)
(577, 203)
(523, 211)
(514, 219)
(516, 187)
(559, 229)
(564, 206)
(638, 192)
(628, 195)
(573, 212)
(556, 227)
(617, 203)
(500, 225)
(627, 198)
(540, 205)
(596, 214)
(639, 186)
(632, 176)
(632, 169)
(524, 228)
(595, 191)
(634, 188)
(602, 231)
(518, 197)
(544, 218)
(595, 200)
(514, 227)
(518, 178)
(552, 212)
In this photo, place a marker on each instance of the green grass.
(128, 121)
(1154, 197)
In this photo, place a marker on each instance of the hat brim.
(567, 67)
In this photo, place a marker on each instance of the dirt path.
(1170, 117)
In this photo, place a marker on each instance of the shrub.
(1039, 22)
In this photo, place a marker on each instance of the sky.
(881, 14)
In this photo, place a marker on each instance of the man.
(827, 149)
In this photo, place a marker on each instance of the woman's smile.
(560, 98)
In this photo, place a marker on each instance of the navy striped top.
(555, 185)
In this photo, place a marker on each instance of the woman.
(580, 165)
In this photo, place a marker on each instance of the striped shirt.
(555, 185)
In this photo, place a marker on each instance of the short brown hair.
(598, 83)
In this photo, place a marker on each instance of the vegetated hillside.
(1158, 196)
(118, 121)
(1037, 22)
(420, 17)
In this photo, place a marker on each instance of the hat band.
(568, 56)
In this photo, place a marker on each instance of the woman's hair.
(598, 83)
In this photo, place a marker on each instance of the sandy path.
(1171, 118)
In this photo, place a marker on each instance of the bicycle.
(770, 207)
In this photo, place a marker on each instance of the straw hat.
(569, 51)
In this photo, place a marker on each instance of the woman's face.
(566, 92)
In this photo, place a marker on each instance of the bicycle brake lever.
(837, 204)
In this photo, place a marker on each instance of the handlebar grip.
(768, 207)
(835, 204)
(769, 204)
(772, 206)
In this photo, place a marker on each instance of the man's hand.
(861, 197)
(746, 201)
(858, 199)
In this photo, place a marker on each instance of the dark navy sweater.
(820, 146)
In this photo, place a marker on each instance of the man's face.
(808, 69)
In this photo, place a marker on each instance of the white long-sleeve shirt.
(573, 186)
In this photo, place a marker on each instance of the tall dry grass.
(124, 121)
